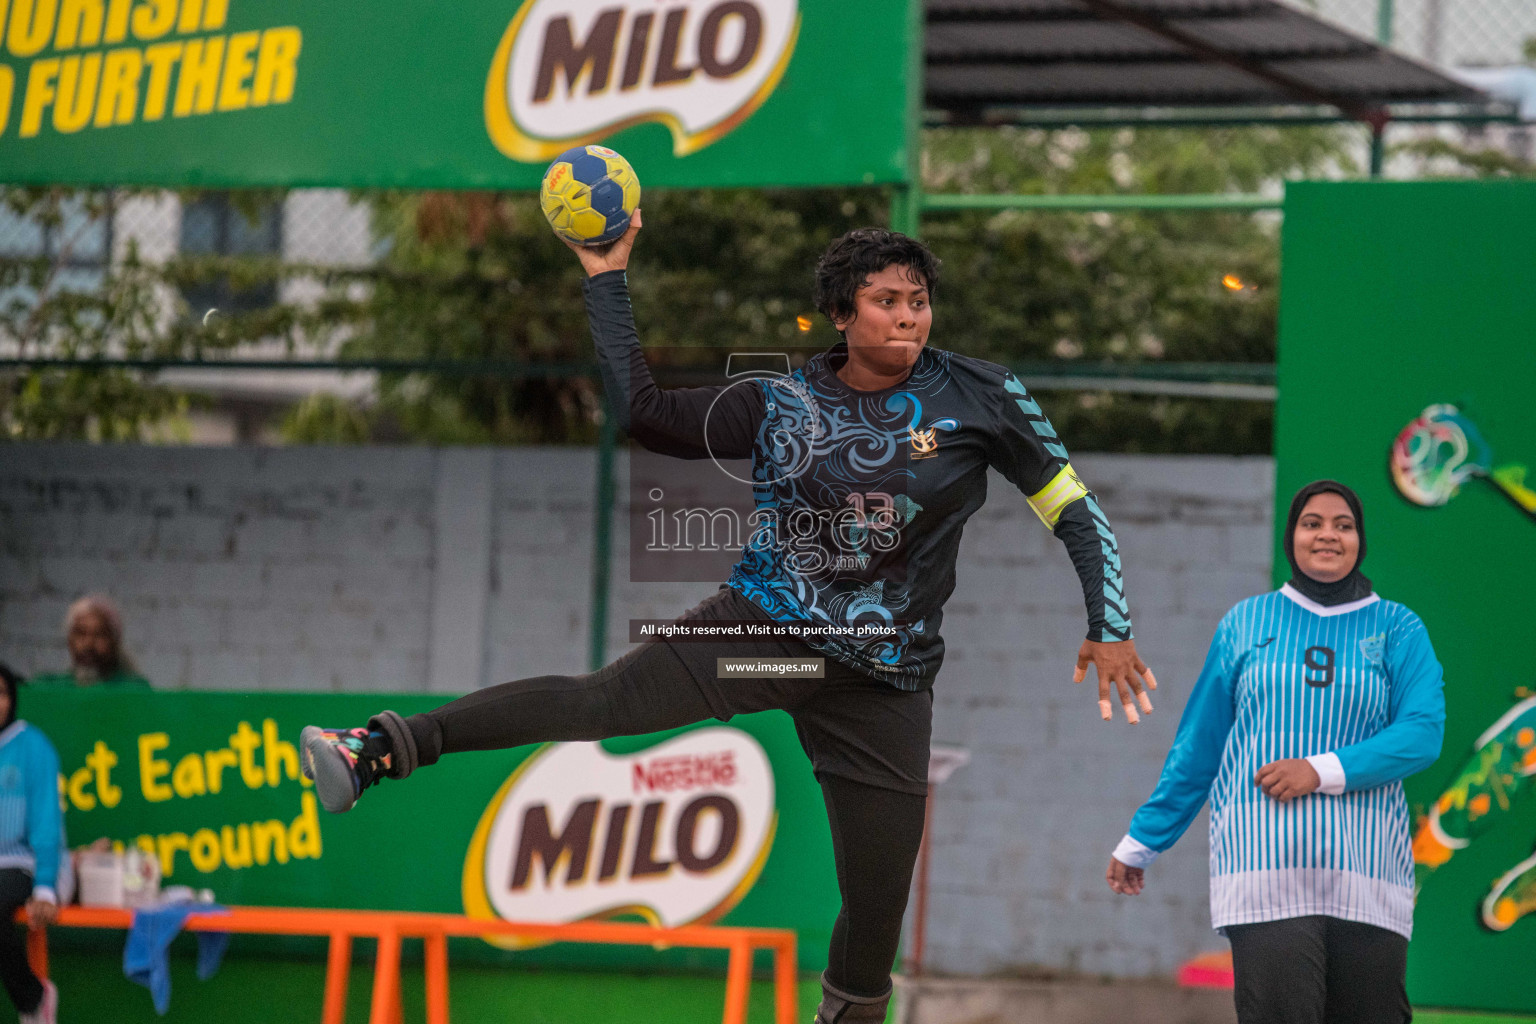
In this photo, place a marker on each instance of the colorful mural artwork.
(1443, 449)
(1502, 761)
(1438, 309)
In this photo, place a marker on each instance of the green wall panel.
(1398, 296)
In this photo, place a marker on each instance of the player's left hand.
(41, 913)
(1117, 664)
(1287, 779)
(1124, 879)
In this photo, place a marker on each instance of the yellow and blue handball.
(588, 195)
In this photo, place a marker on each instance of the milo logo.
(677, 833)
(569, 72)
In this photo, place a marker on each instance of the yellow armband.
(1065, 488)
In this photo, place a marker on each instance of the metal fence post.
(907, 199)
(1384, 17)
(602, 543)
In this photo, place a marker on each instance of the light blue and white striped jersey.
(1353, 688)
(31, 821)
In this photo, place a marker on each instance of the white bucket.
(101, 879)
(141, 878)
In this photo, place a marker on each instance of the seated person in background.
(94, 630)
(31, 844)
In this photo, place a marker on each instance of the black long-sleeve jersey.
(861, 496)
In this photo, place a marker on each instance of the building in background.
(1489, 43)
(318, 227)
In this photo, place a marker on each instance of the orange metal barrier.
(389, 928)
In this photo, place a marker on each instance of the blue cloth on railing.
(146, 957)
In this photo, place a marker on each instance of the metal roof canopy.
(1172, 61)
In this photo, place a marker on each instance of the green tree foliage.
(479, 277)
(1127, 288)
(45, 311)
(1442, 158)
(326, 419)
(54, 304)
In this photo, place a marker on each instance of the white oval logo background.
(544, 853)
(569, 72)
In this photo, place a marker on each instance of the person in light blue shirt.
(1315, 702)
(31, 848)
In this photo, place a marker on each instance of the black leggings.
(647, 690)
(1319, 970)
(875, 835)
(867, 741)
(20, 983)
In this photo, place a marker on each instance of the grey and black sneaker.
(839, 1007)
(343, 762)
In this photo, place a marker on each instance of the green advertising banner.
(474, 94)
(1406, 371)
(714, 823)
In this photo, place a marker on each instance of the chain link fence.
(1448, 33)
(313, 226)
(269, 250)
(306, 251)
(1493, 42)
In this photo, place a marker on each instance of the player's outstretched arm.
(1027, 450)
(688, 423)
(1187, 774)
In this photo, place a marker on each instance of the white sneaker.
(47, 1011)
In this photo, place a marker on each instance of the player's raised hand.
(599, 259)
(1117, 665)
(1124, 879)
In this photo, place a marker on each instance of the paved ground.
(1004, 1001)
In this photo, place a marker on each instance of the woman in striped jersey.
(1315, 702)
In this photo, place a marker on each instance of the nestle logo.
(577, 833)
(679, 774)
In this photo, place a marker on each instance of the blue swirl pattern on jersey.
(815, 448)
(860, 497)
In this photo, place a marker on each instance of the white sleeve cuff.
(1330, 770)
(1134, 853)
(45, 893)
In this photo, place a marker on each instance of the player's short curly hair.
(847, 264)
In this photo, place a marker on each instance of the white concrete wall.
(1022, 835)
(449, 569)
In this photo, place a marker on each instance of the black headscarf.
(1352, 587)
(11, 681)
